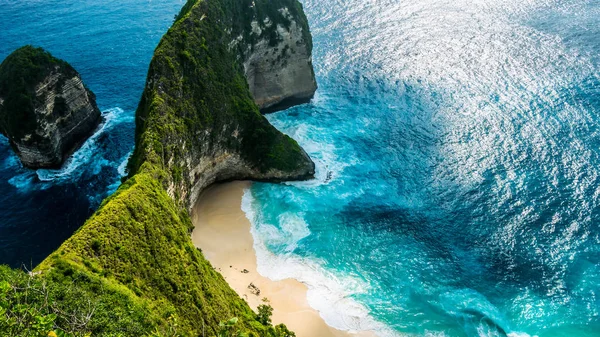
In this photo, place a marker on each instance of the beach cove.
(222, 232)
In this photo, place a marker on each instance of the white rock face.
(279, 74)
(225, 166)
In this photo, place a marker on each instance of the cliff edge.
(46, 111)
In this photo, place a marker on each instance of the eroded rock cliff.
(197, 117)
(196, 124)
(46, 111)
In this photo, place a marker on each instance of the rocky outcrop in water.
(46, 111)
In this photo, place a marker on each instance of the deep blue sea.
(457, 146)
(110, 43)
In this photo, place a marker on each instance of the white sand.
(222, 231)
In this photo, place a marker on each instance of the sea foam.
(87, 154)
(330, 293)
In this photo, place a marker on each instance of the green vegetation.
(19, 73)
(131, 269)
(68, 303)
(227, 329)
(265, 312)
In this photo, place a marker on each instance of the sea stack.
(46, 112)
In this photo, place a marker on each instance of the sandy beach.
(222, 231)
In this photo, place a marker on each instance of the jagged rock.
(46, 111)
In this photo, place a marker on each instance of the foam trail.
(328, 293)
(323, 153)
(86, 159)
(86, 154)
(122, 169)
(23, 182)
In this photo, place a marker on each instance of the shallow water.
(458, 170)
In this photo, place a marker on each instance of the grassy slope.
(133, 260)
(138, 244)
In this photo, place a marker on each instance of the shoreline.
(222, 231)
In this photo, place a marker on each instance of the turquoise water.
(457, 150)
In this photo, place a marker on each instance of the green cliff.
(197, 119)
(131, 269)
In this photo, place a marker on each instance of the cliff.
(46, 112)
(132, 264)
(197, 118)
(276, 50)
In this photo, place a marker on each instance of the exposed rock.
(254, 289)
(46, 111)
(277, 60)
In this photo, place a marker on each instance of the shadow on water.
(467, 257)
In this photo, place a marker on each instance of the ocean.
(457, 150)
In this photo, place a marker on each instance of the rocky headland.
(133, 263)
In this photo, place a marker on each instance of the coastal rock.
(198, 118)
(277, 59)
(196, 124)
(46, 111)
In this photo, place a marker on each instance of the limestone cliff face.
(198, 119)
(45, 110)
(277, 59)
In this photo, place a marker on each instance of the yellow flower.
(52, 334)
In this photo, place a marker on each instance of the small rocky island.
(46, 112)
